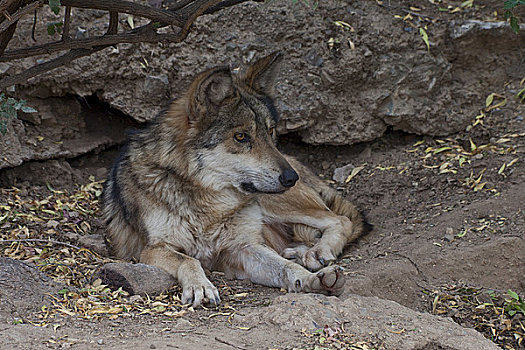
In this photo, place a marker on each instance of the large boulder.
(352, 69)
(368, 319)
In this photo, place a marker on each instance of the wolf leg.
(325, 249)
(196, 288)
(263, 265)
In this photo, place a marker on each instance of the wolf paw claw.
(318, 257)
(201, 294)
(329, 280)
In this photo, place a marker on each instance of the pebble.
(135, 298)
(340, 174)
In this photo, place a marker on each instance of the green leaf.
(424, 36)
(508, 4)
(445, 148)
(514, 24)
(51, 29)
(489, 100)
(55, 6)
(27, 109)
(513, 295)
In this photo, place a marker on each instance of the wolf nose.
(288, 177)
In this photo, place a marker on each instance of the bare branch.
(145, 34)
(18, 14)
(187, 12)
(6, 36)
(193, 11)
(33, 27)
(67, 20)
(47, 66)
(157, 15)
(22, 240)
(224, 4)
(7, 4)
(177, 5)
(113, 23)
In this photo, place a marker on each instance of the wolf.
(203, 186)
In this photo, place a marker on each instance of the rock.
(368, 319)
(341, 174)
(94, 242)
(328, 94)
(60, 129)
(23, 288)
(136, 278)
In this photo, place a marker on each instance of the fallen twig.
(2, 241)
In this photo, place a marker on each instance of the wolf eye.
(241, 137)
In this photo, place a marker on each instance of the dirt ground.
(445, 236)
(449, 240)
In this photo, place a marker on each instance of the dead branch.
(157, 15)
(149, 36)
(67, 20)
(187, 11)
(5, 5)
(6, 36)
(39, 240)
(18, 14)
(194, 10)
(47, 66)
(113, 23)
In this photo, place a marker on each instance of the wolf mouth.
(250, 188)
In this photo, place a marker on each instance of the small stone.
(449, 231)
(340, 174)
(449, 238)
(94, 242)
(325, 165)
(4, 67)
(313, 58)
(152, 346)
(135, 299)
(100, 341)
(136, 278)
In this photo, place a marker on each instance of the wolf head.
(231, 122)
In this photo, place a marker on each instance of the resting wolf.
(204, 186)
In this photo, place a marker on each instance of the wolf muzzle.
(288, 177)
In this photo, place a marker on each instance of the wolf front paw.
(329, 280)
(202, 293)
(318, 257)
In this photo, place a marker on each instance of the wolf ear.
(261, 75)
(209, 90)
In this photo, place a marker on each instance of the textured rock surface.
(392, 325)
(62, 128)
(337, 86)
(136, 278)
(23, 288)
